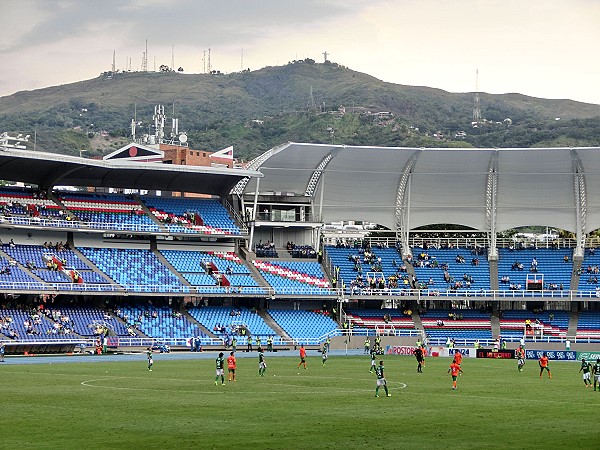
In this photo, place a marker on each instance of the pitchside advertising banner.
(433, 351)
(588, 356)
(554, 355)
(496, 354)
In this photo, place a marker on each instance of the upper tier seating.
(588, 327)
(212, 271)
(288, 277)
(457, 324)
(550, 263)
(467, 270)
(24, 202)
(34, 255)
(390, 265)
(192, 215)
(554, 323)
(590, 271)
(215, 317)
(138, 270)
(12, 276)
(305, 326)
(108, 211)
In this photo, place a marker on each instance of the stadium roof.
(49, 169)
(472, 187)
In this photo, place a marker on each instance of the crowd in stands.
(301, 251)
(265, 249)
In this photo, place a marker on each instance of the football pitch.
(120, 404)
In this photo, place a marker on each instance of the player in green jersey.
(373, 359)
(149, 356)
(586, 367)
(262, 364)
(596, 373)
(220, 365)
(379, 371)
(324, 355)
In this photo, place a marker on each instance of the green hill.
(257, 110)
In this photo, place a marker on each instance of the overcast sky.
(542, 48)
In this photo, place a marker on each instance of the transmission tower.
(114, 67)
(476, 107)
(145, 59)
(311, 101)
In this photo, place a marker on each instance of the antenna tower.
(476, 106)
(209, 68)
(114, 68)
(242, 62)
(173, 58)
(204, 61)
(145, 59)
(311, 101)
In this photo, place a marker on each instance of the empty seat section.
(161, 322)
(298, 276)
(458, 324)
(588, 326)
(217, 318)
(517, 324)
(551, 267)
(306, 327)
(137, 270)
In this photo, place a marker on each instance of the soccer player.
(149, 356)
(220, 364)
(381, 380)
(458, 357)
(596, 372)
(543, 362)
(455, 369)
(373, 359)
(324, 355)
(231, 366)
(302, 356)
(586, 367)
(262, 364)
(418, 352)
(328, 343)
(520, 355)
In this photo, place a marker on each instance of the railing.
(103, 226)
(425, 294)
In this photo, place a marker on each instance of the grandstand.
(126, 253)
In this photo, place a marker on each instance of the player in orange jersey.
(302, 357)
(543, 362)
(455, 369)
(231, 366)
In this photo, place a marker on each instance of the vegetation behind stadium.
(302, 101)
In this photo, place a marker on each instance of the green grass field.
(177, 405)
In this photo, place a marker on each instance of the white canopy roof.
(517, 186)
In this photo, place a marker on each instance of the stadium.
(307, 245)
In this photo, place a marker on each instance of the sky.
(540, 48)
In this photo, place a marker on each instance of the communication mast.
(311, 101)
(114, 67)
(145, 59)
(209, 68)
(476, 107)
